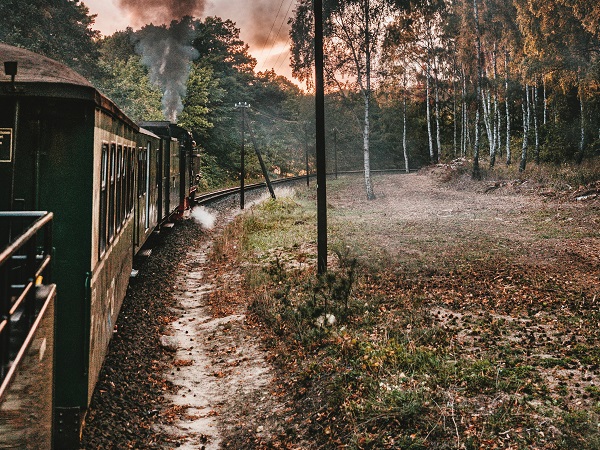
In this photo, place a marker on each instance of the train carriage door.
(103, 198)
(159, 179)
(166, 177)
(7, 138)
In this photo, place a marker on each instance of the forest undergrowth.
(454, 314)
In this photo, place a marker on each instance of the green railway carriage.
(66, 148)
(177, 151)
(147, 187)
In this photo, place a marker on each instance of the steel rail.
(208, 197)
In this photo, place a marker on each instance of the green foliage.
(220, 47)
(126, 82)
(580, 430)
(59, 29)
(203, 91)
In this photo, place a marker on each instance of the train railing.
(26, 330)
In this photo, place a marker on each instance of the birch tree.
(353, 34)
(416, 38)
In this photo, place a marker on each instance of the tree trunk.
(454, 111)
(526, 119)
(367, 129)
(582, 128)
(498, 138)
(545, 100)
(497, 144)
(506, 102)
(463, 109)
(476, 172)
(488, 120)
(404, 148)
(534, 100)
(437, 120)
(429, 134)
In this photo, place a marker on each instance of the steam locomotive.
(110, 183)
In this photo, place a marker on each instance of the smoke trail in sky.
(168, 55)
(162, 11)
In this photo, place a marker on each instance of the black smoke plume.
(168, 54)
(162, 11)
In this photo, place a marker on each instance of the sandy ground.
(220, 369)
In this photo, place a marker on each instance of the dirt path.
(220, 372)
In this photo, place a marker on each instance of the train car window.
(118, 209)
(126, 156)
(130, 180)
(123, 186)
(140, 171)
(103, 189)
(147, 153)
(128, 168)
(111, 193)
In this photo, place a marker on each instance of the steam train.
(109, 182)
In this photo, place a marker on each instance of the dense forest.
(484, 79)
(408, 83)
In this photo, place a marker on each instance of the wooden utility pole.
(320, 141)
(243, 106)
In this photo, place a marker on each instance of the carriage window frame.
(130, 188)
(118, 189)
(111, 193)
(123, 185)
(103, 213)
(141, 159)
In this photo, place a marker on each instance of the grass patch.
(457, 342)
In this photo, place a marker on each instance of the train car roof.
(165, 128)
(40, 76)
(34, 68)
(148, 133)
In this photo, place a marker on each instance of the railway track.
(220, 194)
(208, 197)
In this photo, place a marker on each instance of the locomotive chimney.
(10, 68)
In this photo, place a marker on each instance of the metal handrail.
(19, 293)
(44, 217)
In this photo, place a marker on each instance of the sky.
(262, 23)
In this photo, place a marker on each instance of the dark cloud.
(268, 27)
(162, 11)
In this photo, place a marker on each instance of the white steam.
(204, 217)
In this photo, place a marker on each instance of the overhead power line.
(276, 39)
(271, 30)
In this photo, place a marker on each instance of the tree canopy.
(59, 29)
